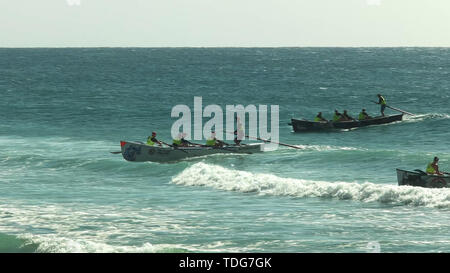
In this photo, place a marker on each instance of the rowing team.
(345, 117)
(180, 141)
(342, 117)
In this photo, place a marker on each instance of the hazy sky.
(272, 23)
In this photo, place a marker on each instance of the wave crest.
(201, 174)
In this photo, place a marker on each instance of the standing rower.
(239, 133)
(382, 102)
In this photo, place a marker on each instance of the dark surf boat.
(300, 125)
(419, 178)
(140, 152)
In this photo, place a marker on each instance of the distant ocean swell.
(201, 174)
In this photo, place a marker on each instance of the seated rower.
(177, 141)
(184, 142)
(213, 141)
(337, 116)
(319, 118)
(433, 168)
(346, 117)
(151, 140)
(363, 115)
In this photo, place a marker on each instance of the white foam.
(55, 244)
(218, 177)
(322, 148)
(422, 117)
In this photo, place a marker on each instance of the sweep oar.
(396, 109)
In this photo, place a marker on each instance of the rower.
(151, 140)
(239, 133)
(363, 115)
(337, 116)
(319, 118)
(433, 168)
(211, 141)
(382, 102)
(346, 117)
(184, 142)
(177, 141)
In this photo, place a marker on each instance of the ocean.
(62, 111)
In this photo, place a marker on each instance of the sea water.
(62, 111)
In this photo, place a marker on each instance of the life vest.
(361, 116)
(316, 119)
(177, 141)
(383, 101)
(430, 169)
(149, 141)
(210, 142)
(336, 117)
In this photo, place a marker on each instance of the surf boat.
(140, 152)
(422, 179)
(301, 125)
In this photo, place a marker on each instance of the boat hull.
(140, 152)
(420, 179)
(306, 125)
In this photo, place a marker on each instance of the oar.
(119, 152)
(176, 148)
(279, 143)
(265, 140)
(197, 144)
(396, 109)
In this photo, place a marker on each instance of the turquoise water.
(64, 110)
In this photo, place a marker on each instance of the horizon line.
(68, 47)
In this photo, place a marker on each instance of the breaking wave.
(201, 174)
(31, 243)
(55, 244)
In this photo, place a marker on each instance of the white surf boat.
(140, 152)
